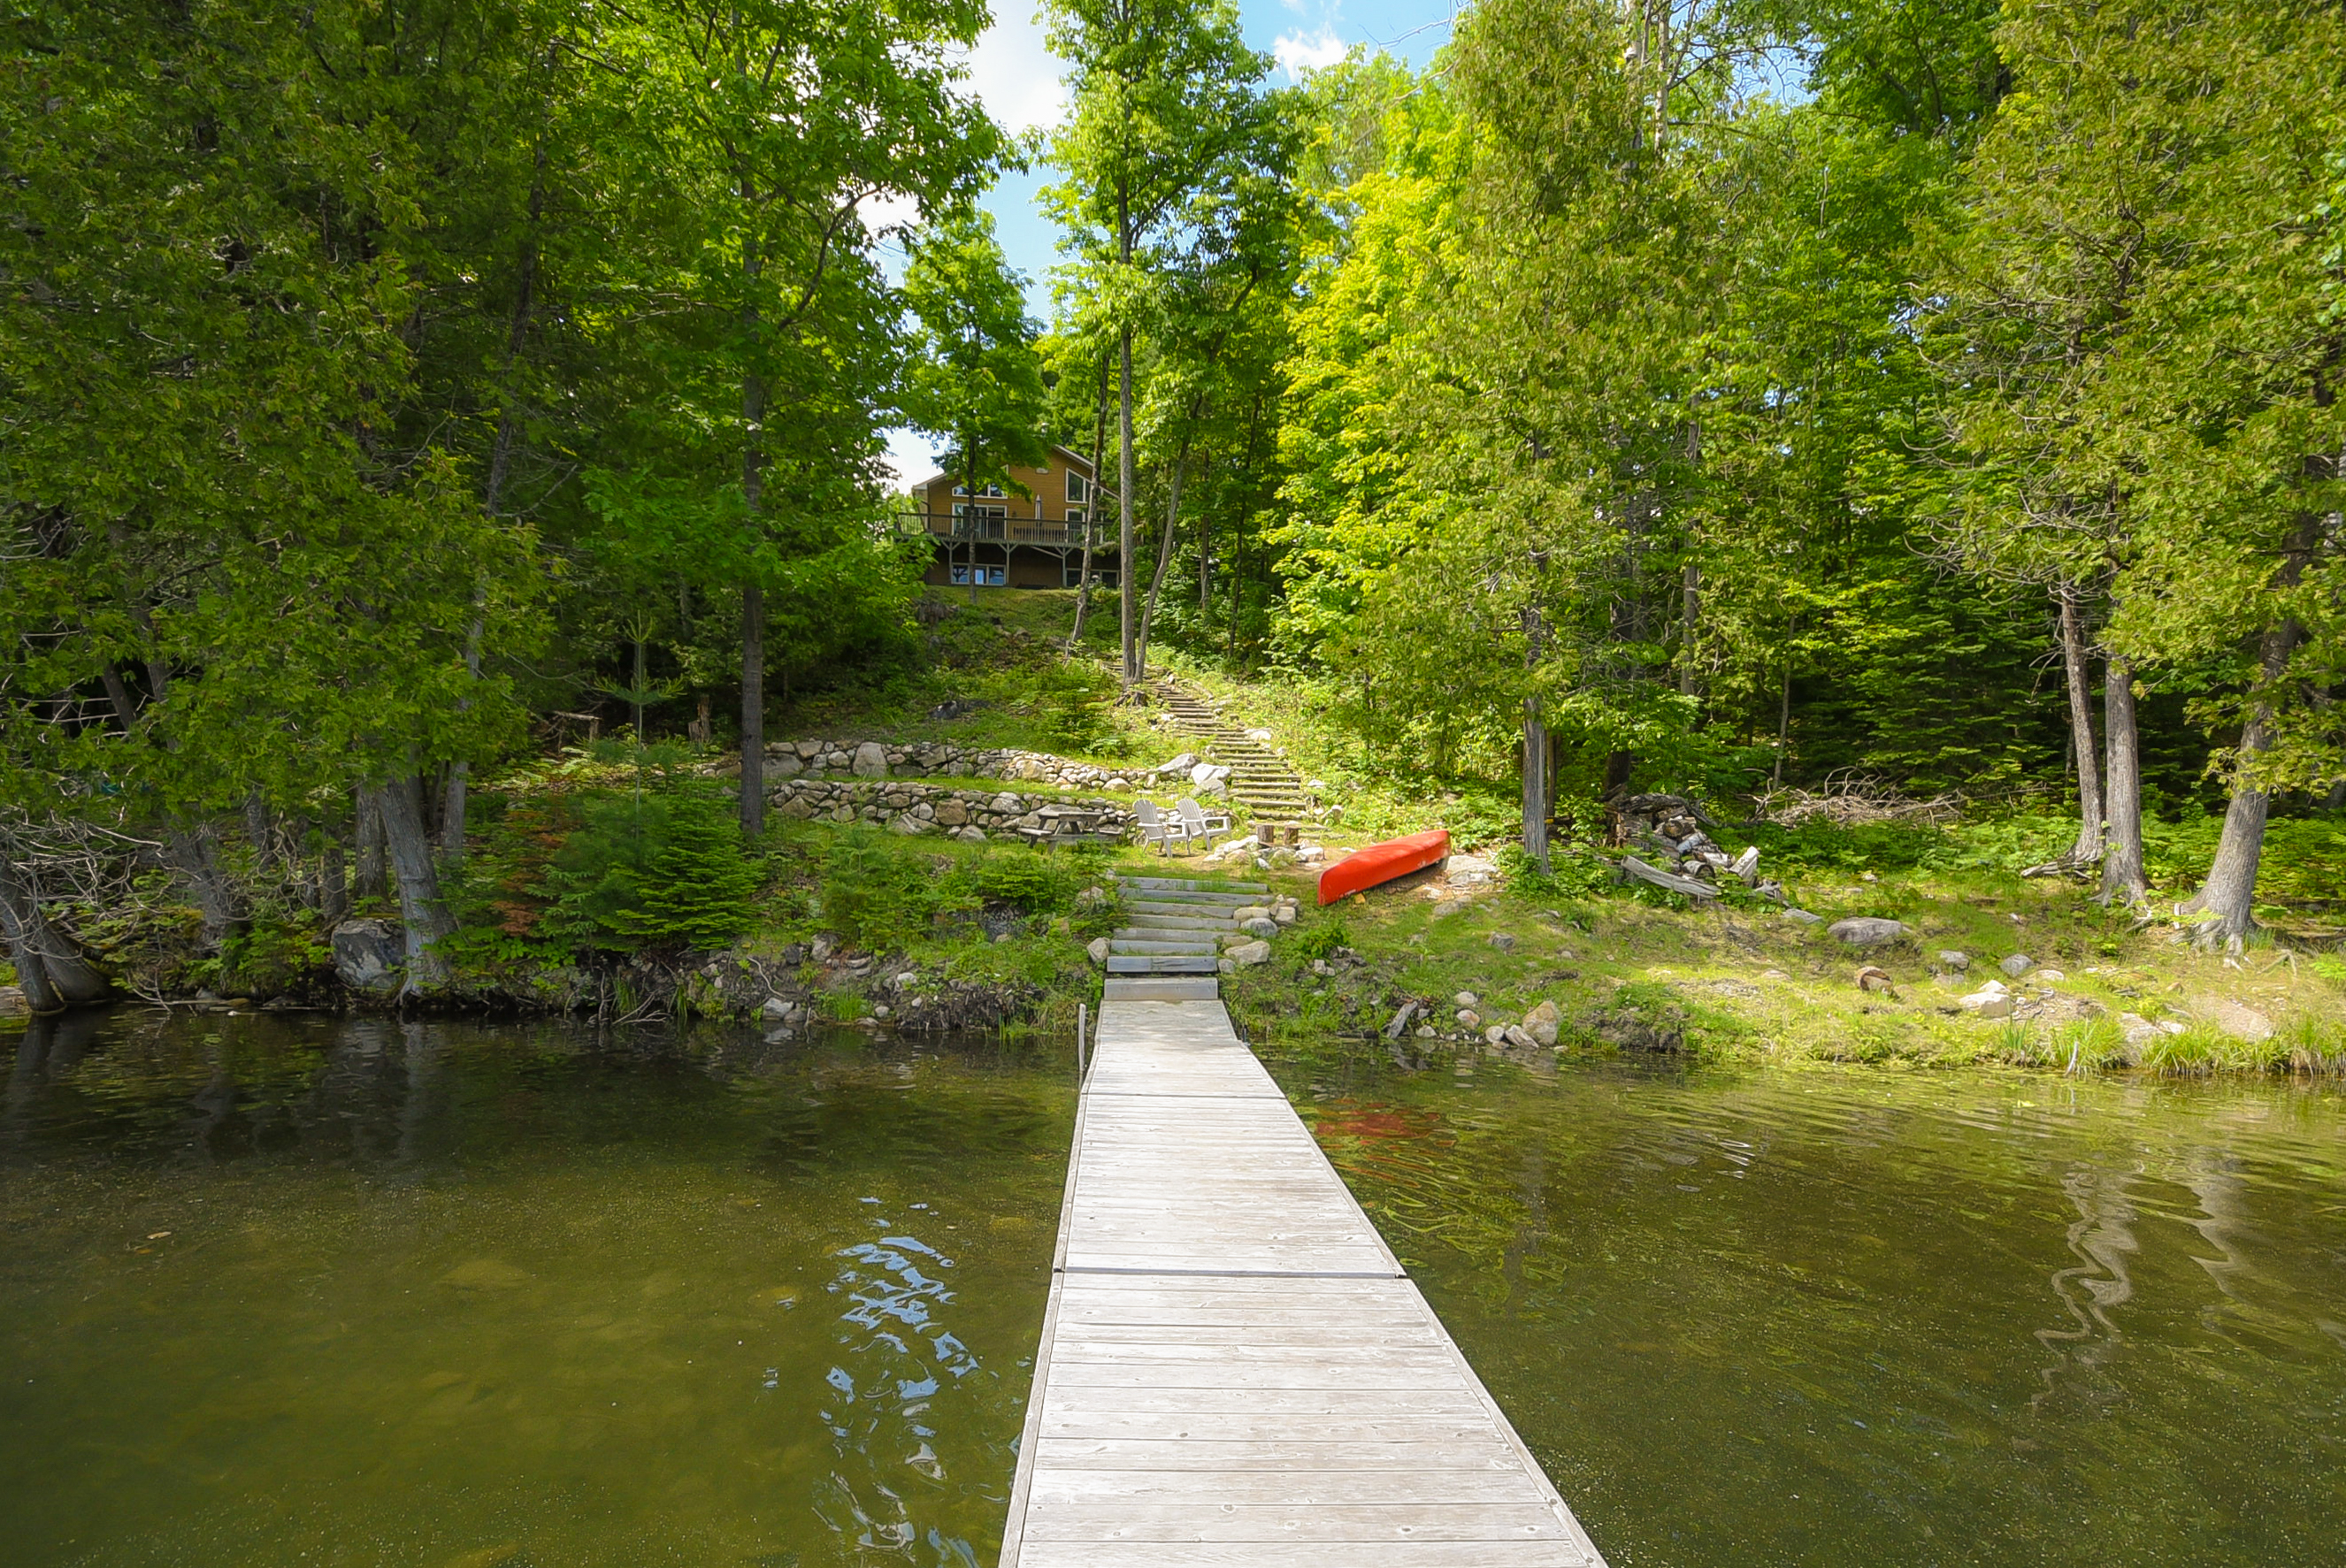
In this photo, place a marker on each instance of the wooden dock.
(1234, 1368)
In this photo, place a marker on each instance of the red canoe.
(1381, 863)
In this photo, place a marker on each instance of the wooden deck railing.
(1010, 530)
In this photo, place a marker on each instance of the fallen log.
(1637, 868)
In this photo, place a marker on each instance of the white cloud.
(1013, 73)
(1296, 54)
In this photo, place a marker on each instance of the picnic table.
(1057, 822)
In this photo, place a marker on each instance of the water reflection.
(1857, 1317)
(371, 1292)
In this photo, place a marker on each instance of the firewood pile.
(1670, 848)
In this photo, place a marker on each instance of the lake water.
(308, 1291)
(1860, 1317)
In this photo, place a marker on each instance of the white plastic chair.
(1154, 828)
(1195, 825)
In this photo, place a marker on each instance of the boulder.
(1262, 926)
(1181, 764)
(1986, 1004)
(1252, 952)
(1206, 774)
(1544, 1022)
(1524, 1039)
(1464, 999)
(1496, 1035)
(952, 813)
(786, 765)
(905, 822)
(1098, 952)
(1284, 914)
(1501, 941)
(1865, 932)
(1949, 958)
(1246, 913)
(370, 954)
(774, 1008)
(1407, 1011)
(871, 760)
(1802, 917)
(2238, 1022)
(2018, 965)
(1469, 1019)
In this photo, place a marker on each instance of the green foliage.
(1818, 844)
(663, 870)
(273, 954)
(1321, 939)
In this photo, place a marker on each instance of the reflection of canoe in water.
(1381, 863)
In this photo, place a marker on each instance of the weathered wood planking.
(1234, 1369)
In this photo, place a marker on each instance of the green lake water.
(311, 1290)
(1858, 1317)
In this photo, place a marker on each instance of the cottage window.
(1076, 490)
(987, 577)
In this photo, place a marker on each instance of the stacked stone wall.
(935, 758)
(913, 808)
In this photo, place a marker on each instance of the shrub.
(873, 894)
(665, 869)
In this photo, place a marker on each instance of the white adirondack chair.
(1155, 829)
(1195, 825)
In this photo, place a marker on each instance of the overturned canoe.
(1381, 863)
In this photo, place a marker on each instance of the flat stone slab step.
(1178, 949)
(1193, 920)
(1193, 884)
(1167, 990)
(1164, 964)
(1161, 928)
(1192, 903)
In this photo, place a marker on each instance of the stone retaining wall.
(933, 808)
(927, 758)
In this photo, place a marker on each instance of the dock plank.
(1235, 1370)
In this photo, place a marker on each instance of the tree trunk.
(194, 853)
(636, 698)
(1536, 781)
(257, 833)
(1783, 721)
(51, 974)
(374, 873)
(1125, 479)
(1164, 557)
(2122, 871)
(2227, 898)
(1091, 509)
(753, 711)
(1690, 615)
(2073, 659)
(420, 910)
(333, 881)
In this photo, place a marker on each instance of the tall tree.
(1163, 96)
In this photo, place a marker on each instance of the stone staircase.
(1176, 924)
(1260, 781)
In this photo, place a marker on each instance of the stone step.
(1192, 884)
(1190, 903)
(1169, 989)
(1183, 931)
(1165, 964)
(1172, 925)
(1129, 945)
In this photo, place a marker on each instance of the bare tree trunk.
(51, 974)
(1535, 750)
(754, 710)
(1164, 557)
(420, 910)
(257, 833)
(333, 881)
(2089, 848)
(636, 698)
(1689, 615)
(194, 853)
(1125, 479)
(1783, 721)
(374, 871)
(2123, 880)
(2227, 898)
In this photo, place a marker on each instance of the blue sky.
(1019, 81)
